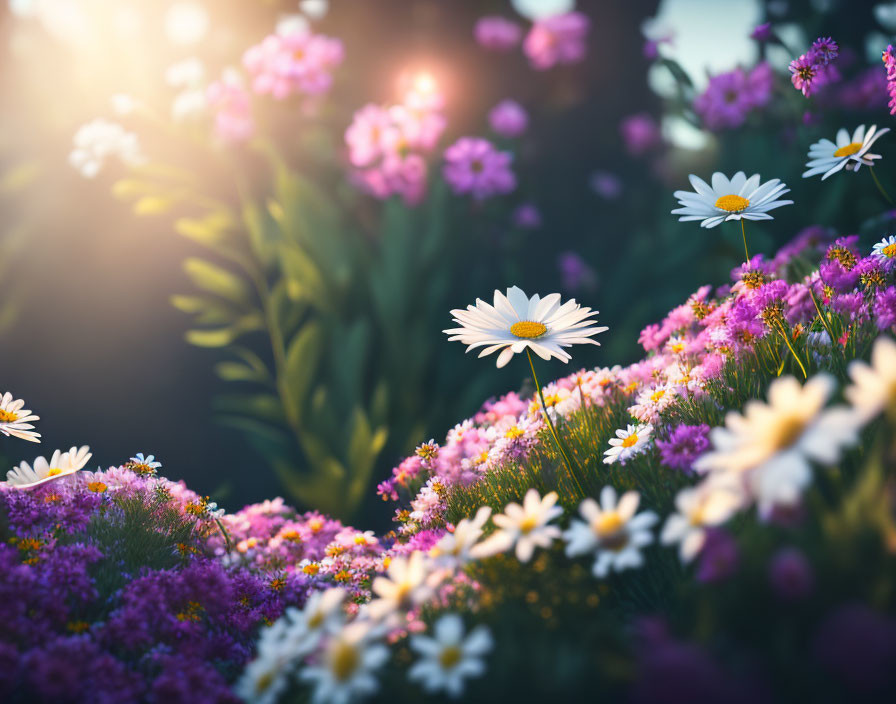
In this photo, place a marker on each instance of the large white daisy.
(403, 588)
(771, 446)
(874, 386)
(697, 508)
(61, 464)
(526, 527)
(516, 322)
(628, 442)
(730, 199)
(450, 656)
(16, 420)
(850, 153)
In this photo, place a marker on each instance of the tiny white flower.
(516, 323)
(123, 104)
(346, 666)
(612, 531)
(315, 9)
(885, 250)
(628, 443)
(850, 153)
(99, 139)
(526, 527)
(15, 420)
(454, 549)
(61, 464)
(730, 199)
(873, 388)
(771, 445)
(448, 658)
(404, 586)
(709, 504)
(188, 73)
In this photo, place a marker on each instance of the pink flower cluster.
(474, 166)
(731, 97)
(231, 106)
(813, 69)
(890, 63)
(497, 33)
(556, 40)
(387, 146)
(296, 62)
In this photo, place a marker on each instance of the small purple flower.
(527, 216)
(851, 305)
(474, 166)
(790, 574)
(719, 558)
(823, 50)
(731, 96)
(640, 132)
(762, 33)
(685, 444)
(558, 39)
(884, 308)
(508, 119)
(575, 272)
(607, 185)
(839, 279)
(804, 74)
(497, 33)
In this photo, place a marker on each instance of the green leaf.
(237, 371)
(221, 337)
(154, 205)
(214, 279)
(302, 359)
(208, 310)
(304, 277)
(262, 407)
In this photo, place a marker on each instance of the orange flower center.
(732, 203)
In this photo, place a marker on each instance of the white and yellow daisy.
(873, 388)
(453, 549)
(322, 614)
(525, 527)
(730, 199)
(611, 530)
(348, 660)
(403, 588)
(850, 153)
(16, 420)
(709, 504)
(516, 323)
(771, 446)
(450, 656)
(628, 443)
(885, 250)
(61, 464)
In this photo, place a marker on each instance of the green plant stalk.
(790, 347)
(743, 231)
(547, 417)
(880, 188)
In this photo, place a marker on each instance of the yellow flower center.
(527, 329)
(513, 433)
(264, 682)
(787, 432)
(849, 149)
(631, 387)
(528, 525)
(7, 416)
(630, 441)
(54, 472)
(732, 203)
(344, 661)
(677, 347)
(316, 620)
(608, 524)
(449, 657)
(96, 487)
(657, 395)
(889, 250)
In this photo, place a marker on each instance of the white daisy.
(403, 588)
(345, 670)
(516, 322)
(628, 443)
(771, 445)
(453, 549)
(448, 658)
(145, 465)
(885, 250)
(827, 157)
(873, 388)
(652, 401)
(730, 199)
(526, 527)
(16, 420)
(612, 531)
(709, 504)
(321, 614)
(100, 139)
(61, 464)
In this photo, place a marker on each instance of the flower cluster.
(890, 63)
(731, 97)
(813, 69)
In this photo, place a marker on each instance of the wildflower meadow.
(500, 418)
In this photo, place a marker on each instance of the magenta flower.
(890, 63)
(575, 272)
(804, 74)
(474, 166)
(299, 62)
(823, 51)
(684, 446)
(364, 137)
(230, 103)
(763, 33)
(497, 33)
(730, 97)
(527, 216)
(555, 40)
(508, 119)
(640, 132)
(884, 308)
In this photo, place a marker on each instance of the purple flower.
(559, 39)
(838, 278)
(851, 305)
(884, 308)
(804, 74)
(790, 574)
(719, 558)
(889, 60)
(730, 97)
(685, 444)
(640, 132)
(823, 50)
(474, 166)
(527, 216)
(497, 33)
(607, 185)
(508, 119)
(762, 32)
(575, 272)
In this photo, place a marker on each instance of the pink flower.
(474, 166)
(890, 63)
(730, 97)
(508, 119)
(640, 132)
(229, 101)
(364, 136)
(559, 39)
(497, 33)
(299, 62)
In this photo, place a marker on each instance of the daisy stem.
(786, 337)
(879, 186)
(547, 416)
(226, 535)
(743, 231)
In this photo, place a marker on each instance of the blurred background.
(88, 334)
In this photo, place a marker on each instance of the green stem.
(743, 231)
(226, 535)
(547, 417)
(786, 337)
(879, 186)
